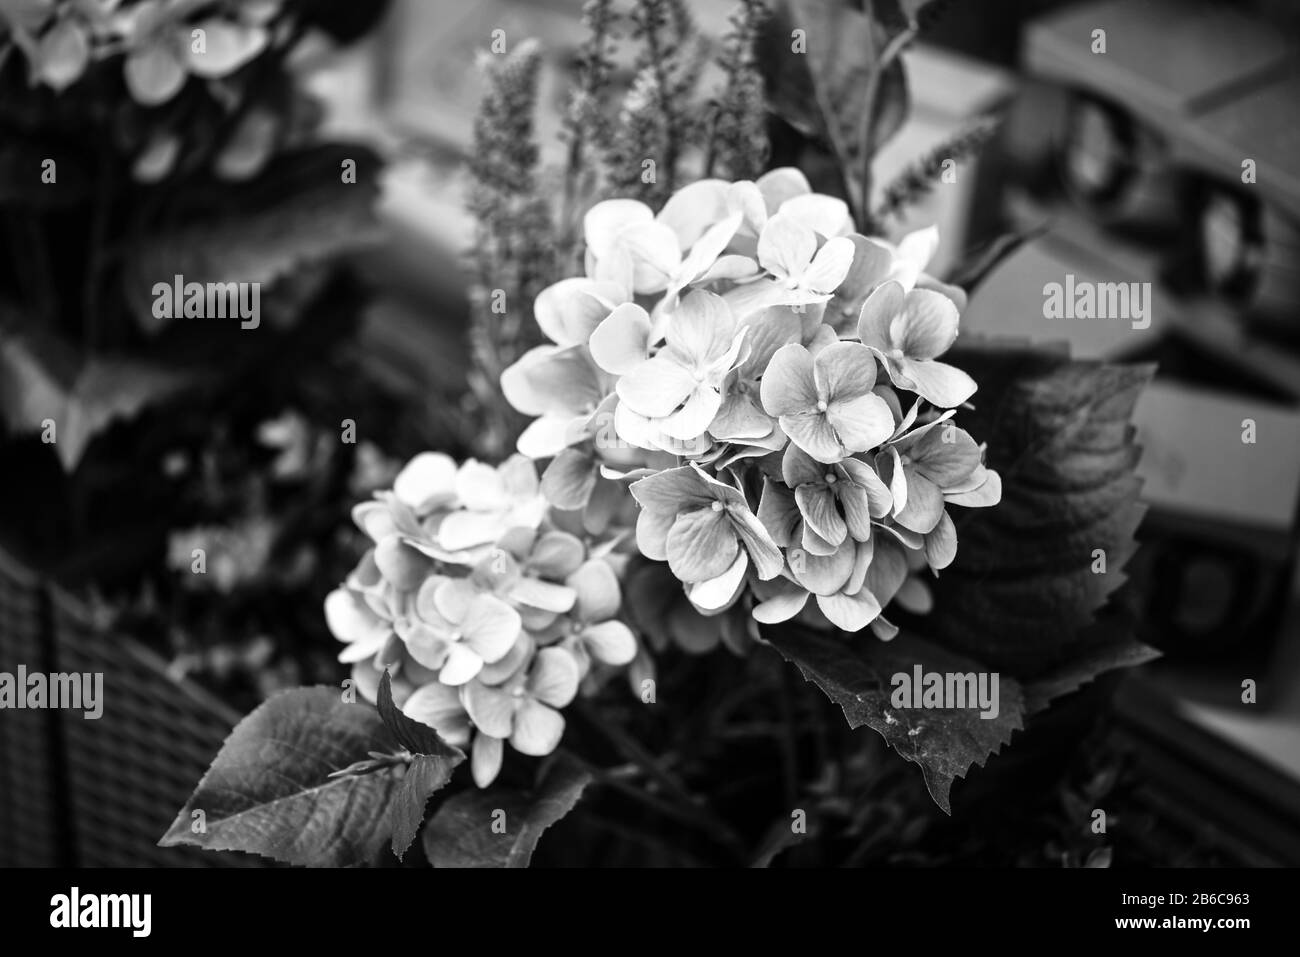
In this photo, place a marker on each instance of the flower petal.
(541, 595)
(556, 555)
(569, 480)
(941, 543)
(850, 612)
(701, 328)
(652, 533)
(778, 512)
(606, 220)
(462, 664)
(930, 326)
(817, 505)
(781, 607)
(888, 570)
(491, 709)
(862, 423)
(763, 551)
(877, 316)
(990, 493)
(426, 482)
(829, 266)
(823, 574)
(672, 490)
(924, 505)
(813, 433)
(622, 339)
(610, 641)
(553, 678)
(549, 379)
(701, 544)
(845, 370)
(780, 184)
(944, 385)
(485, 759)
(227, 47)
(946, 455)
(153, 72)
(439, 707)
(350, 619)
(538, 729)
(786, 247)
(694, 208)
(597, 589)
(656, 387)
(461, 530)
(569, 311)
(879, 499)
(490, 627)
(828, 216)
(788, 386)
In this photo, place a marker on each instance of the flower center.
(896, 354)
(831, 478)
(821, 405)
(716, 506)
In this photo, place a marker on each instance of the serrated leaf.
(269, 789)
(856, 672)
(1023, 590)
(415, 736)
(429, 771)
(461, 832)
(41, 379)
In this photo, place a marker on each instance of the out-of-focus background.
(1166, 157)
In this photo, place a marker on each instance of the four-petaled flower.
(701, 526)
(909, 330)
(678, 391)
(825, 404)
(523, 709)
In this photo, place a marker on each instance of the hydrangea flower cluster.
(485, 608)
(768, 386)
(739, 387)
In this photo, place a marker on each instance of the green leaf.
(429, 771)
(41, 378)
(500, 827)
(269, 789)
(856, 672)
(1027, 581)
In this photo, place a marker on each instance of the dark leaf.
(1032, 572)
(269, 789)
(822, 93)
(500, 827)
(856, 672)
(299, 214)
(41, 379)
(429, 771)
(414, 736)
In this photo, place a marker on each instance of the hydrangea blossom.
(761, 434)
(723, 392)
